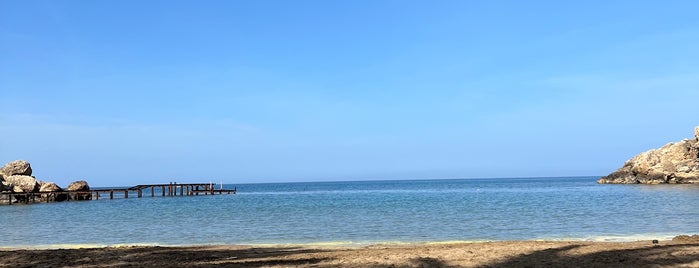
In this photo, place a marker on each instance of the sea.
(364, 213)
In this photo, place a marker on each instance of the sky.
(126, 92)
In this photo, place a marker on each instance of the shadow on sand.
(656, 256)
(673, 255)
(158, 257)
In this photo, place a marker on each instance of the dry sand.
(482, 254)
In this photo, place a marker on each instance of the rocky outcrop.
(676, 162)
(686, 238)
(49, 187)
(22, 183)
(17, 167)
(56, 193)
(79, 186)
(19, 186)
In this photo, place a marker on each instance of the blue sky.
(126, 92)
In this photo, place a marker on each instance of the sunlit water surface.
(367, 212)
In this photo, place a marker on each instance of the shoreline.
(667, 253)
(350, 244)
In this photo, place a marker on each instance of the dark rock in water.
(22, 183)
(17, 167)
(51, 197)
(676, 162)
(79, 186)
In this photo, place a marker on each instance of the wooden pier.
(170, 189)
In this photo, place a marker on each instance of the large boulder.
(676, 162)
(22, 183)
(56, 192)
(46, 186)
(17, 167)
(79, 186)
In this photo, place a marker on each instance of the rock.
(22, 183)
(51, 187)
(686, 238)
(45, 186)
(2, 182)
(79, 186)
(676, 162)
(17, 167)
(16, 177)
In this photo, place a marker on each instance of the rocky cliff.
(676, 162)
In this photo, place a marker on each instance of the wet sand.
(481, 254)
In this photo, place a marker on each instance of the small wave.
(613, 238)
(80, 246)
(56, 246)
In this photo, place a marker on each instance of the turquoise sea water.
(367, 212)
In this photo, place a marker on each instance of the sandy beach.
(482, 254)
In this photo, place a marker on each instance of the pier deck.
(169, 189)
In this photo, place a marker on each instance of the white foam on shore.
(603, 238)
(613, 238)
(456, 242)
(367, 243)
(79, 246)
(55, 246)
